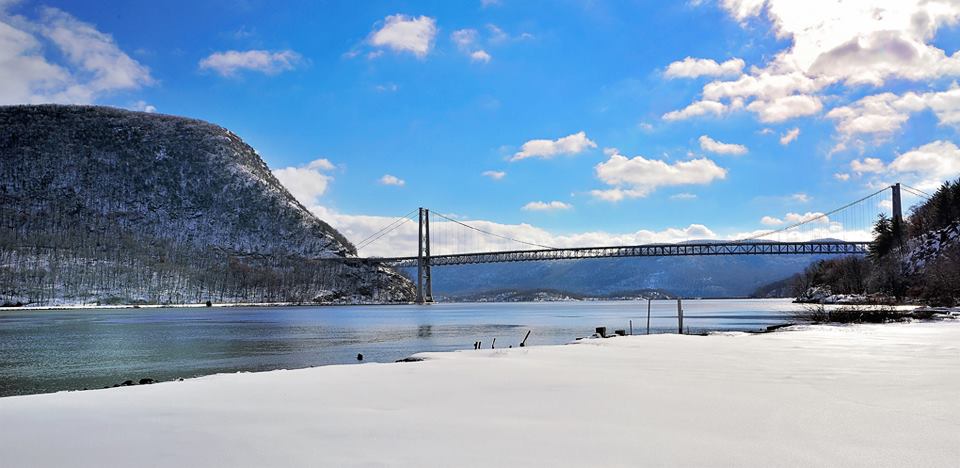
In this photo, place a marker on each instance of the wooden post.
(631, 327)
(494, 344)
(680, 315)
(648, 315)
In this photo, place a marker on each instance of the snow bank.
(869, 395)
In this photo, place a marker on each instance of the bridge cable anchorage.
(385, 230)
(917, 192)
(532, 244)
(813, 219)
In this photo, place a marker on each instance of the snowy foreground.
(873, 395)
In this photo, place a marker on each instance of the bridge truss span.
(647, 250)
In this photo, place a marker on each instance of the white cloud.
(546, 149)
(794, 218)
(547, 206)
(867, 165)
(306, 183)
(467, 41)
(694, 67)
(229, 62)
(697, 109)
(714, 146)
(480, 56)
(830, 42)
(87, 65)
(142, 106)
(403, 33)
(927, 166)
(842, 176)
(464, 38)
(638, 176)
(788, 137)
(785, 108)
(683, 196)
(495, 175)
(881, 115)
(388, 179)
(771, 221)
(801, 197)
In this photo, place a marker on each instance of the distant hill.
(105, 205)
(695, 276)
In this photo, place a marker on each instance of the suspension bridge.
(843, 231)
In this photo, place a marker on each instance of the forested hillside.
(111, 206)
(918, 261)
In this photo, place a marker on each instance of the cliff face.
(102, 204)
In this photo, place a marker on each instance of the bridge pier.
(424, 276)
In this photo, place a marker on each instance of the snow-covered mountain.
(102, 204)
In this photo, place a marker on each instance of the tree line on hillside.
(916, 261)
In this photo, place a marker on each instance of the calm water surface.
(48, 351)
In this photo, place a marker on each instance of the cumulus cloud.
(696, 109)
(547, 206)
(842, 176)
(308, 182)
(925, 167)
(771, 221)
(495, 175)
(143, 106)
(87, 65)
(714, 146)
(695, 67)
(872, 165)
(480, 56)
(638, 176)
(403, 33)
(785, 108)
(881, 115)
(547, 149)
(788, 137)
(683, 196)
(228, 63)
(388, 179)
(801, 197)
(468, 42)
(848, 43)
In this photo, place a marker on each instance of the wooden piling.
(680, 315)
(648, 315)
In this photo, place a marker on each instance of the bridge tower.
(898, 226)
(424, 277)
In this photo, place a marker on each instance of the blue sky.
(435, 94)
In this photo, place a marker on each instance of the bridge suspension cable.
(482, 231)
(917, 192)
(386, 229)
(820, 218)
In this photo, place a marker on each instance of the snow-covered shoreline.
(862, 395)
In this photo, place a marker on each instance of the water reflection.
(44, 351)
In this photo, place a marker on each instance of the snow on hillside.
(107, 205)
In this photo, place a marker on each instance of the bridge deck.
(647, 250)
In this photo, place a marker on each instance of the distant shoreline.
(328, 304)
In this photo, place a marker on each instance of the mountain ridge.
(154, 194)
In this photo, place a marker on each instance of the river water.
(51, 350)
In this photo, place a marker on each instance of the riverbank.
(865, 395)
